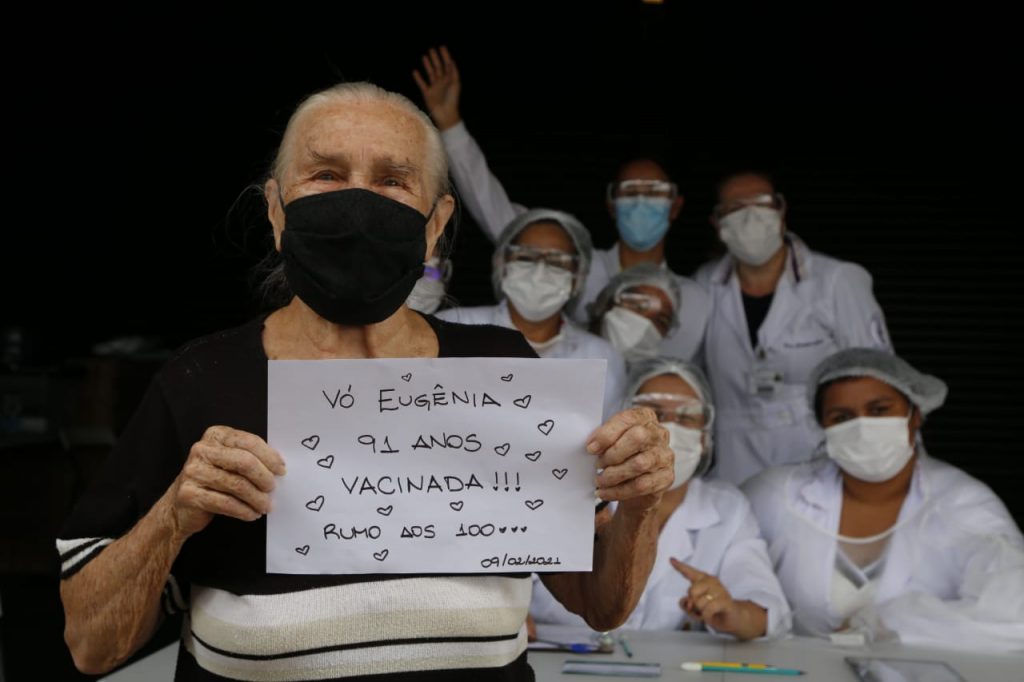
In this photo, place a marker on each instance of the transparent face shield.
(555, 258)
(651, 306)
(774, 201)
(658, 189)
(677, 408)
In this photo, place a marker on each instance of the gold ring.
(709, 597)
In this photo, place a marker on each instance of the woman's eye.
(326, 176)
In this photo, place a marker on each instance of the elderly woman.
(712, 568)
(539, 266)
(357, 200)
(636, 311)
(879, 538)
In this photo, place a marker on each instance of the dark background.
(130, 152)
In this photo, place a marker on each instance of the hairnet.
(923, 390)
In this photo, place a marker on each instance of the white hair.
(437, 161)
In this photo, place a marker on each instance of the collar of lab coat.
(797, 269)
(614, 264)
(820, 497)
(568, 330)
(696, 513)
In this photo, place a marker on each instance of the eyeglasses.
(675, 407)
(553, 257)
(648, 305)
(642, 188)
(775, 201)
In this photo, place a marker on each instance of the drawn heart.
(457, 506)
(316, 504)
(507, 378)
(327, 462)
(381, 555)
(523, 402)
(559, 473)
(546, 426)
(515, 528)
(385, 511)
(502, 449)
(407, 377)
(533, 456)
(304, 550)
(523, 529)
(502, 529)
(534, 504)
(311, 442)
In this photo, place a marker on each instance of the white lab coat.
(574, 343)
(953, 574)
(821, 305)
(488, 203)
(714, 531)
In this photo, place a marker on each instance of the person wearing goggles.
(539, 264)
(778, 309)
(712, 569)
(636, 311)
(642, 201)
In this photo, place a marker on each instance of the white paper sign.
(449, 465)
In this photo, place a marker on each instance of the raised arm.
(634, 468)
(480, 191)
(112, 599)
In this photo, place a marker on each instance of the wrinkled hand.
(441, 88)
(634, 461)
(708, 600)
(227, 472)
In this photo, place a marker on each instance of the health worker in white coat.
(880, 541)
(778, 309)
(712, 569)
(538, 268)
(642, 200)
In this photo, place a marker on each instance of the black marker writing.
(388, 401)
(386, 449)
(330, 530)
(448, 441)
(343, 400)
(390, 485)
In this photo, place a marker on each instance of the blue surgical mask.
(642, 221)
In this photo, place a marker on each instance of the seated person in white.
(878, 537)
(712, 569)
(538, 269)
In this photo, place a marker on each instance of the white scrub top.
(487, 202)
(821, 305)
(714, 531)
(954, 569)
(572, 342)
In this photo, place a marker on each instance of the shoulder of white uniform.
(725, 496)
(966, 501)
(713, 272)
(953, 483)
(766, 488)
(594, 345)
(835, 272)
(467, 314)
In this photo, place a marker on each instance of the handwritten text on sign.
(451, 465)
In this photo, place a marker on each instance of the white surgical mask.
(870, 448)
(752, 234)
(687, 446)
(537, 290)
(630, 333)
(426, 295)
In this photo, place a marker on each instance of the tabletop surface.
(820, 660)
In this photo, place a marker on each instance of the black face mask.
(353, 255)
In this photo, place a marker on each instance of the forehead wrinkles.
(361, 130)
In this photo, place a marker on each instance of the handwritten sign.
(449, 465)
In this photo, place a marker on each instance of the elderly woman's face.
(857, 397)
(368, 145)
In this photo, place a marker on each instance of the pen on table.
(730, 667)
(575, 647)
(625, 646)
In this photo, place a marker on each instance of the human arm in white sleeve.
(480, 191)
(986, 614)
(859, 320)
(747, 573)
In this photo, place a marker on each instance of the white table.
(822, 661)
